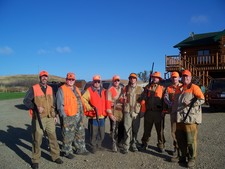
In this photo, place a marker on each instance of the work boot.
(174, 159)
(143, 147)
(124, 151)
(182, 160)
(134, 148)
(114, 148)
(82, 152)
(191, 163)
(58, 161)
(69, 156)
(93, 150)
(34, 166)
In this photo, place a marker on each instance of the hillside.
(21, 83)
(18, 83)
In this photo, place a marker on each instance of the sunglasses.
(117, 80)
(97, 81)
(71, 79)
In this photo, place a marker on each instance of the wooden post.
(217, 60)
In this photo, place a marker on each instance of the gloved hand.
(134, 115)
(40, 109)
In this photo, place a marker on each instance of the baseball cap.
(133, 75)
(43, 73)
(174, 74)
(157, 74)
(115, 77)
(70, 75)
(96, 77)
(186, 72)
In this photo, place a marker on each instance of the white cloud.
(199, 19)
(5, 50)
(65, 49)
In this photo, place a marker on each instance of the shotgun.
(41, 125)
(191, 105)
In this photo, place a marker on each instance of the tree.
(144, 76)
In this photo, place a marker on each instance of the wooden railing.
(200, 76)
(208, 61)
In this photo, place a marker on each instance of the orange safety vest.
(70, 100)
(98, 102)
(158, 92)
(42, 100)
(114, 93)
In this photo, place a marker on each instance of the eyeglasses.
(117, 80)
(96, 81)
(71, 79)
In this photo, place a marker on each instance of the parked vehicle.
(105, 84)
(216, 93)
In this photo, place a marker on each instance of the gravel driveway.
(15, 145)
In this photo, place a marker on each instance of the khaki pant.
(186, 135)
(131, 130)
(37, 136)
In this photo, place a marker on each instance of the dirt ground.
(15, 145)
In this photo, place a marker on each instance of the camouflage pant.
(73, 133)
(186, 135)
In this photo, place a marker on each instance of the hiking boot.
(174, 159)
(143, 147)
(93, 150)
(34, 166)
(124, 151)
(82, 152)
(58, 161)
(134, 149)
(182, 160)
(69, 156)
(191, 163)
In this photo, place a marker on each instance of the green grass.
(13, 95)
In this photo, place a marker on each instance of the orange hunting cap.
(96, 77)
(174, 74)
(133, 75)
(43, 73)
(70, 75)
(186, 72)
(115, 77)
(157, 74)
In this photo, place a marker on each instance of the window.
(203, 57)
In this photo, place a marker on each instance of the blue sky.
(103, 37)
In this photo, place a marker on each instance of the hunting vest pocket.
(127, 107)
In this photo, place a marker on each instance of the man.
(114, 110)
(132, 108)
(95, 103)
(40, 100)
(153, 96)
(71, 110)
(187, 106)
(169, 99)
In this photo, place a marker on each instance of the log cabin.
(202, 54)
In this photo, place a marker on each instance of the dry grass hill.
(21, 83)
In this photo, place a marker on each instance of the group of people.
(124, 106)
